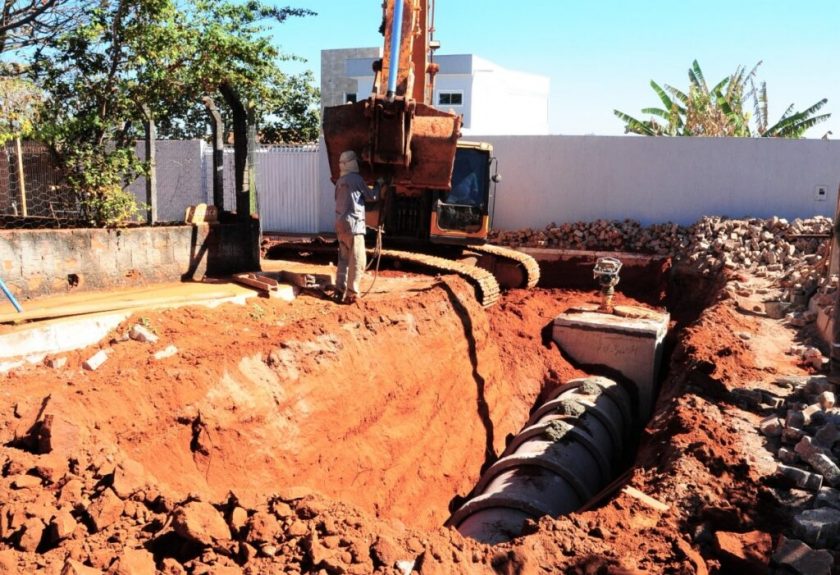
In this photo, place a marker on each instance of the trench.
(403, 411)
(398, 407)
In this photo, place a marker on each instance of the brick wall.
(35, 263)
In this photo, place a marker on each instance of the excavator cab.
(462, 215)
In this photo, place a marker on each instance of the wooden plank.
(109, 305)
(645, 498)
(257, 281)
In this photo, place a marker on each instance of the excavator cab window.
(469, 178)
(465, 204)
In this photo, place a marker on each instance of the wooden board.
(111, 304)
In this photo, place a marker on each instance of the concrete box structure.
(630, 345)
(36, 263)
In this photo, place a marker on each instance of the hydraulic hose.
(396, 39)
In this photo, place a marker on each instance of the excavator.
(439, 197)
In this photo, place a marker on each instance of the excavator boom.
(396, 131)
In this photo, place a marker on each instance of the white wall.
(287, 184)
(507, 101)
(654, 180)
(571, 178)
(326, 192)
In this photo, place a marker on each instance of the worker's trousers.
(352, 260)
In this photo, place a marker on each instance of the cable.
(377, 256)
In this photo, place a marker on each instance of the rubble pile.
(790, 252)
(600, 235)
(804, 432)
(109, 517)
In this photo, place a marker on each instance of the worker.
(351, 191)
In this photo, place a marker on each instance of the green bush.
(98, 177)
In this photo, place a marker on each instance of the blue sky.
(601, 55)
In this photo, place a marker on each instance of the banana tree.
(719, 110)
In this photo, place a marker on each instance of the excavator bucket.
(413, 143)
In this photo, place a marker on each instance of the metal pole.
(10, 296)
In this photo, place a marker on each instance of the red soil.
(344, 433)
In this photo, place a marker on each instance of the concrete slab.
(629, 343)
(31, 342)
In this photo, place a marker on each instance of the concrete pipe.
(567, 452)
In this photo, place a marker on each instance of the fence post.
(252, 158)
(218, 152)
(151, 158)
(24, 212)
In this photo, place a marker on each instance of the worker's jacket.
(351, 191)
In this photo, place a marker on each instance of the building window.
(349, 97)
(450, 98)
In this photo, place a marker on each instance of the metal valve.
(606, 274)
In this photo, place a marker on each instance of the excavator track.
(485, 284)
(528, 265)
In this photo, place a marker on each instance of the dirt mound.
(309, 437)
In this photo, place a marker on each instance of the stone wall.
(36, 263)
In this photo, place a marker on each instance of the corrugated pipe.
(571, 447)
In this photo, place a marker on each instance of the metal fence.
(287, 185)
(32, 189)
(287, 189)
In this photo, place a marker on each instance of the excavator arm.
(396, 131)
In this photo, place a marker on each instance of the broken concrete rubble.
(142, 334)
(800, 478)
(95, 361)
(801, 558)
(166, 352)
(818, 527)
(56, 362)
(789, 252)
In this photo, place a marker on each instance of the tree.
(233, 50)
(720, 110)
(132, 61)
(293, 116)
(19, 101)
(27, 23)
(93, 77)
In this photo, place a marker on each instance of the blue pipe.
(11, 297)
(396, 37)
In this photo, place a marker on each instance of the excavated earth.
(309, 437)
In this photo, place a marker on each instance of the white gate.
(287, 189)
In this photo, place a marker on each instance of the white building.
(492, 100)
